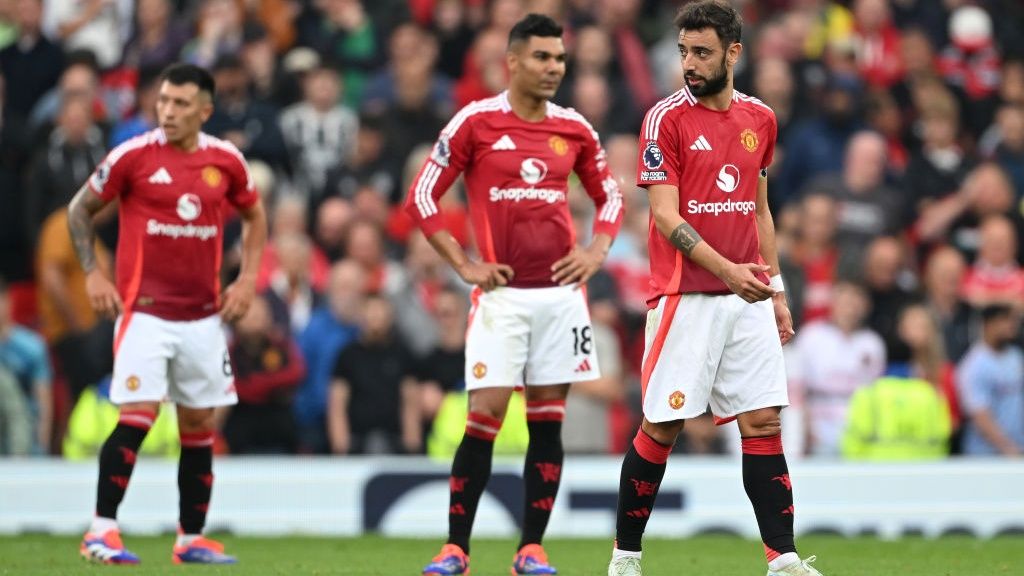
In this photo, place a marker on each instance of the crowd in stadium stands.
(897, 189)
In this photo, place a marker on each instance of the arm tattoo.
(685, 238)
(83, 233)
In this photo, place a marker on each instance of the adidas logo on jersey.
(161, 176)
(701, 143)
(504, 143)
(583, 367)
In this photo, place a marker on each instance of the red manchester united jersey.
(517, 176)
(715, 159)
(171, 220)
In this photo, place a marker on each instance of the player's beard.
(712, 85)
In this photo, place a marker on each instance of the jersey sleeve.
(111, 177)
(592, 168)
(449, 157)
(769, 146)
(658, 161)
(242, 191)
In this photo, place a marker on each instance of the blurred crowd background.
(897, 192)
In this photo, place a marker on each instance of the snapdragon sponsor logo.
(716, 208)
(518, 194)
(156, 228)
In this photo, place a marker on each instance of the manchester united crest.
(749, 140)
(132, 383)
(676, 400)
(211, 175)
(479, 370)
(558, 145)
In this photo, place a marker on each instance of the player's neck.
(188, 144)
(528, 107)
(720, 101)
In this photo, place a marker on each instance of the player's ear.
(205, 107)
(733, 53)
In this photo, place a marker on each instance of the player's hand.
(741, 279)
(486, 275)
(103, 295)
(577, 266)
(783, 318)
(237, 299)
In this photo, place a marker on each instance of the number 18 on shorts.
(533, 336)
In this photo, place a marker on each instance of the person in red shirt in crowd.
(995, 277)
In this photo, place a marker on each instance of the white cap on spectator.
(299, 60)
(970, 27)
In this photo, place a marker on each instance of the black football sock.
(195, 481)
(642, 470)
(542, 471)
(766, 480)
(117, 460)
(471, 469)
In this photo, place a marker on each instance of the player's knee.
(192, 421)
(664, 433)
(759, 424)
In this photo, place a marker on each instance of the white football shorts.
(531, 336)
(703, 349)
(186, 362)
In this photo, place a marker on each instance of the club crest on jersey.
(442, 152)
(532, 171)
(189, 206)
(479, 370)
(676, 400)
(728, 178)
(558, 145)
(749, 140)
(653, 157)
(211, 175)
(132, 383)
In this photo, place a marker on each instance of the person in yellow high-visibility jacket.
(897, 418)
(450, 423)
(94, 417)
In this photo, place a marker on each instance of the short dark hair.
(995, 312)
(3, 285)
(534, 25)
(723, 18)
(181, 74)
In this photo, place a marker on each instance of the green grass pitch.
(718, 556)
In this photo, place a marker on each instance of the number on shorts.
(581, 339)
(226, 365)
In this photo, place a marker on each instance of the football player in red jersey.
(718, 314)
(529, 324)
(169, 341)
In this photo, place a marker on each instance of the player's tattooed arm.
(685, 238)
(83, 207)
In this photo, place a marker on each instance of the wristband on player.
(775, 283)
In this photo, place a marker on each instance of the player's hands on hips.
(577, 266)
(486, 275)
(103, 295)
(741, 279)
(783, 318)
(237, 299)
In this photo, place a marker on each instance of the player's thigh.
(497, 340)
(685, 336)
(562, 348)
(752, 373)
(143, 348)
(201, 374)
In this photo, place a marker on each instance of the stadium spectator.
(319, 131)
(943, 279)
(939, 167)
(971, 62)
(78, 339)
(250, 124)
(23, 354)
(442, 369)
(144, 117)
(991, 383)
(332, 220)
(1009, 149)
(220, 24)
(93, 25)
(289, 217)
(33, 60)
(290, 292)
(370, 164)
(890, 284)
(817, 254)
(157, 38)
(347, 37)
(427, 279)
(94, 417)
(450, 25)
(373, 405)
(995, 277)
(331, 328)
(16, 431)
(268, 366)
(836, 357)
